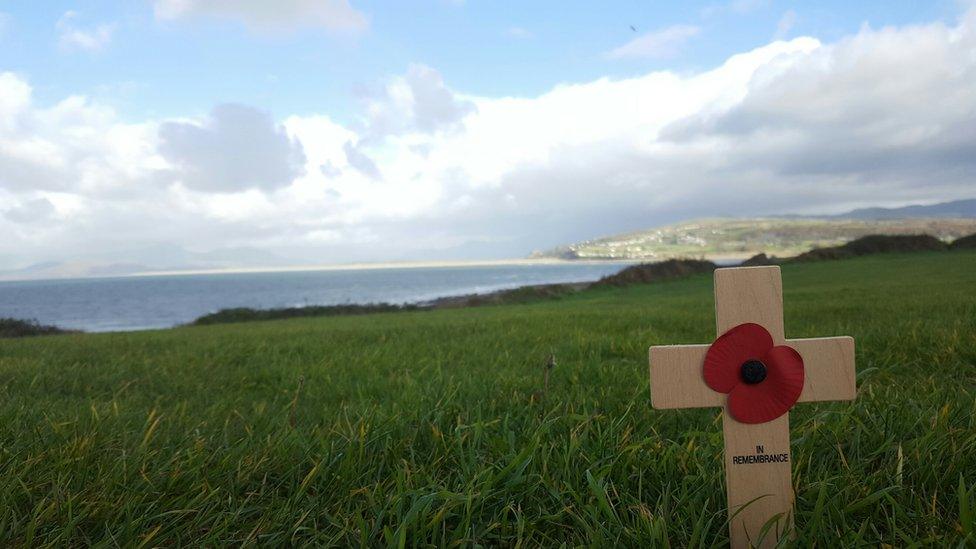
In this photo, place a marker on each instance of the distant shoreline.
(724, 258)
(721, 259)
(383, 266)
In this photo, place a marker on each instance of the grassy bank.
(14, 327)
(427, 427)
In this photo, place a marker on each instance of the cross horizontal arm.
(677, 380)
(828, 368)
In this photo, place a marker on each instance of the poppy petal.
(725, 356)
(774, 396)
(784, 367)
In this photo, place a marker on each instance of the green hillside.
(741, 238)
(426, 428)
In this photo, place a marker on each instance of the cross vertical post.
(754, 295)
(758, 491)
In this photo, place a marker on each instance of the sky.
(332, 131)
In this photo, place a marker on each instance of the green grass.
(420, 428)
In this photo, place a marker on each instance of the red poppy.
(763, 380)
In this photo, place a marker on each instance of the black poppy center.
(753, 371)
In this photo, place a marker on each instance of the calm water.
(104, 304)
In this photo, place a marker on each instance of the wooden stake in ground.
(757, 444)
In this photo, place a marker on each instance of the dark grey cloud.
(419, 101)
(19, 174)
(361, 161)
(897, 105)
(237, 148)
(30, 211)
(329, 170)
(434, 105)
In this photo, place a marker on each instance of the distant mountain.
(741, 238)
(37, 267)
(153, 258)
(960, 209)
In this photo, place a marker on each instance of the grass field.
(420, 428)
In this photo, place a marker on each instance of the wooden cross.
(757, 492)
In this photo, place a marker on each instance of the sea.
(149, 302)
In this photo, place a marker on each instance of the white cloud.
(332, 15)
(658, 44)
(15, 98)
(884, 116)
(73, 144)
(519, 32)
(71, 37)
(785, 25)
